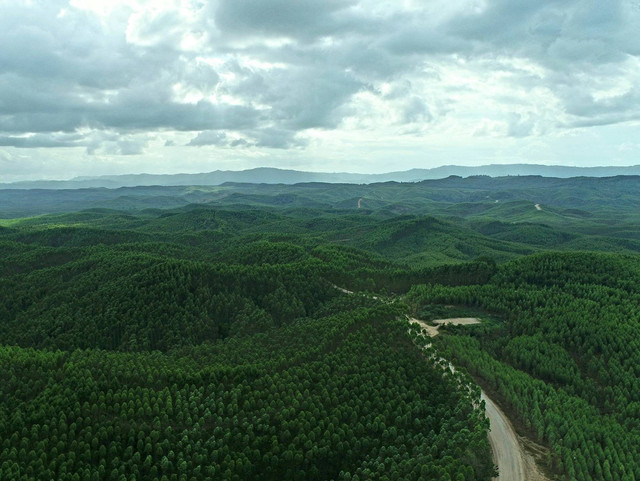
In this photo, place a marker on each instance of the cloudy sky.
(91, 87)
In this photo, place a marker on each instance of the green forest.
(566, 359)
(260, 332)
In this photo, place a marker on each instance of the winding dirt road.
(514, 463)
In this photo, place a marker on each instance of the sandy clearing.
(359, 203)
(456, 321)
(537, 206)
(432, 331)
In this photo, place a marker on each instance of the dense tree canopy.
(208, 342)
(160, 356)
(567, 360)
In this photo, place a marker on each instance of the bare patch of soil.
(432, 331)
(457, 321)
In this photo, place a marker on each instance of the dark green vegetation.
(213, 344)
(341, 397)
(423, 224)
(207, 339)
(567, 358)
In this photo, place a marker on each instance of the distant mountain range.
(268, 175)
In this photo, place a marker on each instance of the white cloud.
(269, 81)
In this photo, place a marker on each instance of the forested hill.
(566, 358)
(166, 279)
(208, 333)
(446, 220)
(213, 344)
(573, 197)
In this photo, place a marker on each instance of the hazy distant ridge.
(268, 175)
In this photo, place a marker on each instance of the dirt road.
(347, 291)
(514, 463)
(506, 450)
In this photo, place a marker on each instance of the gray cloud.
(311, 98)
(520, 125)
(272, 138)
(585, 105)
(275, 138)
(264, 73)
(126, 147)
(93, 142)
(29, 106)
(63, 73)
(415, 110)
(42, 140)
(560, 34)
(39, 44)
(283, 18)
(209, 137)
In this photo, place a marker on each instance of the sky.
(92, 87)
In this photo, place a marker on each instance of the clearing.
(456, 321)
